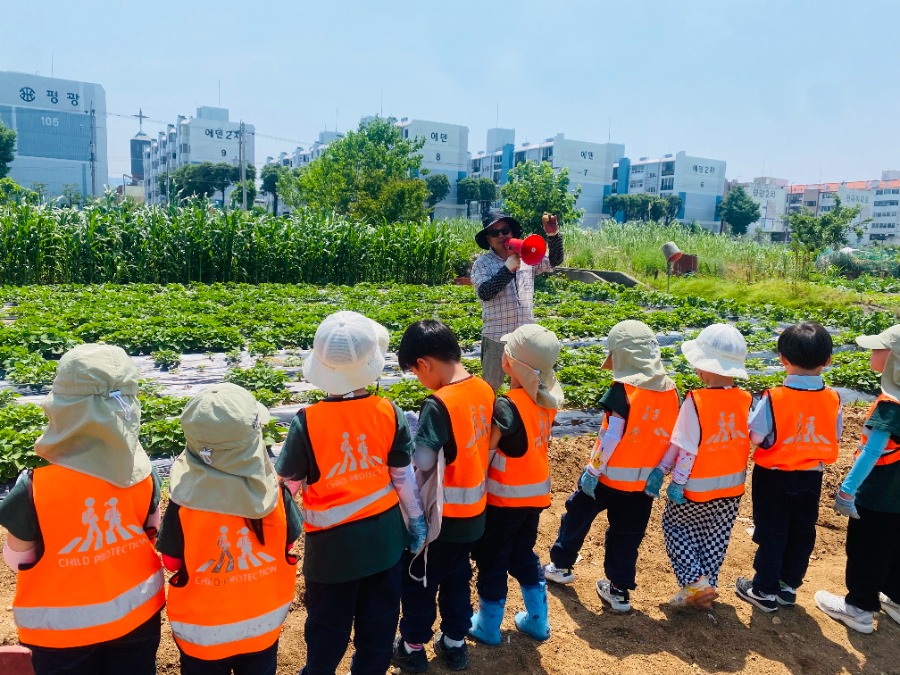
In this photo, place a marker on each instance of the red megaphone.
(531, 249)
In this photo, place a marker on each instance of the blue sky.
(801, 89)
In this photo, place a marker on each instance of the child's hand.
(845, 506)
(418, 528)
(588, 483)
(654, 483)
(675, 493)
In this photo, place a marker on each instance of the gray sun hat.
(889, 339)
(532, 351)
(634, 357)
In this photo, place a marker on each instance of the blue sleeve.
(761, 423)
(865, 462)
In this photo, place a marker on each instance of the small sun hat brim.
(872, 342)
(343, 380)
(704, 357)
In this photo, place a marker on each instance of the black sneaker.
(455, 658)
(786, 596)
(415, 661)
(745, 591)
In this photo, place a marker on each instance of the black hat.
(491, 218)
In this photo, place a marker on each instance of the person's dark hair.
(806, 345)
(428, 338)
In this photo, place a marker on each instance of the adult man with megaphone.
(504, 281)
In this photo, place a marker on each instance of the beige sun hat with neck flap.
(224, 467)
(889, 339)
(348, 353)
(634, 357)
(532, 351)
(719, 349)
(94, 416)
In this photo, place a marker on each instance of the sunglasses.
(497, 233)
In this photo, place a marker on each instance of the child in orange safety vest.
(640, 408)
(708, 462)
(90, 587)
(870, 496)
(451, 458)
(796, 428)
(351, 453)
(226, 534)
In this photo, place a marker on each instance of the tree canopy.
(644, 207)
(810, 234)
(7, 149)
(535, 189)
(205, 179)
(369, 174)
(270, 176)
(739, 210)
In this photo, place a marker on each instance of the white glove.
(512, 262)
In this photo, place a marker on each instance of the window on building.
(547, 154)
(811, 203)
(668, 168)
(667, 184)
(637, 169)
(879, 192)
(888, 202)
(615, 172)
(519, 158)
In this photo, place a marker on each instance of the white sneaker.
(836, 607)
(889, 607)
(617, 600)
(559, 575)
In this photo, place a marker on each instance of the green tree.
(535, 189)
(71, 195)
(438, 187)
(10, 191)
(237, 195)
(40, 189)
(739, 210)
(271, 175)
(205, 179)
(673, 206)
(367, 175)
(481, 190)
(7, 149)
(811, 234)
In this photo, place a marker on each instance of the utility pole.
(243, 168)
(93, 152)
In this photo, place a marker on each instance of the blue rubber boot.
(533, 621)
(486, 621)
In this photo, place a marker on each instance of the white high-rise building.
(60, 130)
(699, 181)
(878, 201)
(590, 165)
(771, 195)
(208, 137)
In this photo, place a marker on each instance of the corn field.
(107, 242)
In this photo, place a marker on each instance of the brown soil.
(654, 638)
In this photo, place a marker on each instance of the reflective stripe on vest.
(524, 481)
(351, 441)
(805, 427)
(89, 616)
(648, 430)
(891, 451)
(211, 636)
(345, 512)
(518, 491)
(469, 404)
(718, 483)
(720, 467)
(99, 577)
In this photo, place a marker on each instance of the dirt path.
(654, 638)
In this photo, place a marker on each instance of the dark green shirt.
(171, 534)
(357, 549)
(19, 515)
(513, 439)
(880, 491)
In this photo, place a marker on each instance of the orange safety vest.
(805, 427)
(238, 590)
(99, 577)
(351, 440)
(720, 468)
(648, 430)
(470, 405)
(891, 452)
(525, 480)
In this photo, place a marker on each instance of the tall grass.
(124, 243)
(635, 247)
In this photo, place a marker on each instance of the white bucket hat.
(719, 349)
(348, 353)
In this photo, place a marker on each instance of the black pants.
(258, 663)
(785, 511)
(873, 558)
(132, 654)
(370, 606)
(507, 547)
(448, 574)
(628, 514)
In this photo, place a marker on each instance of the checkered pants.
(697, 536)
